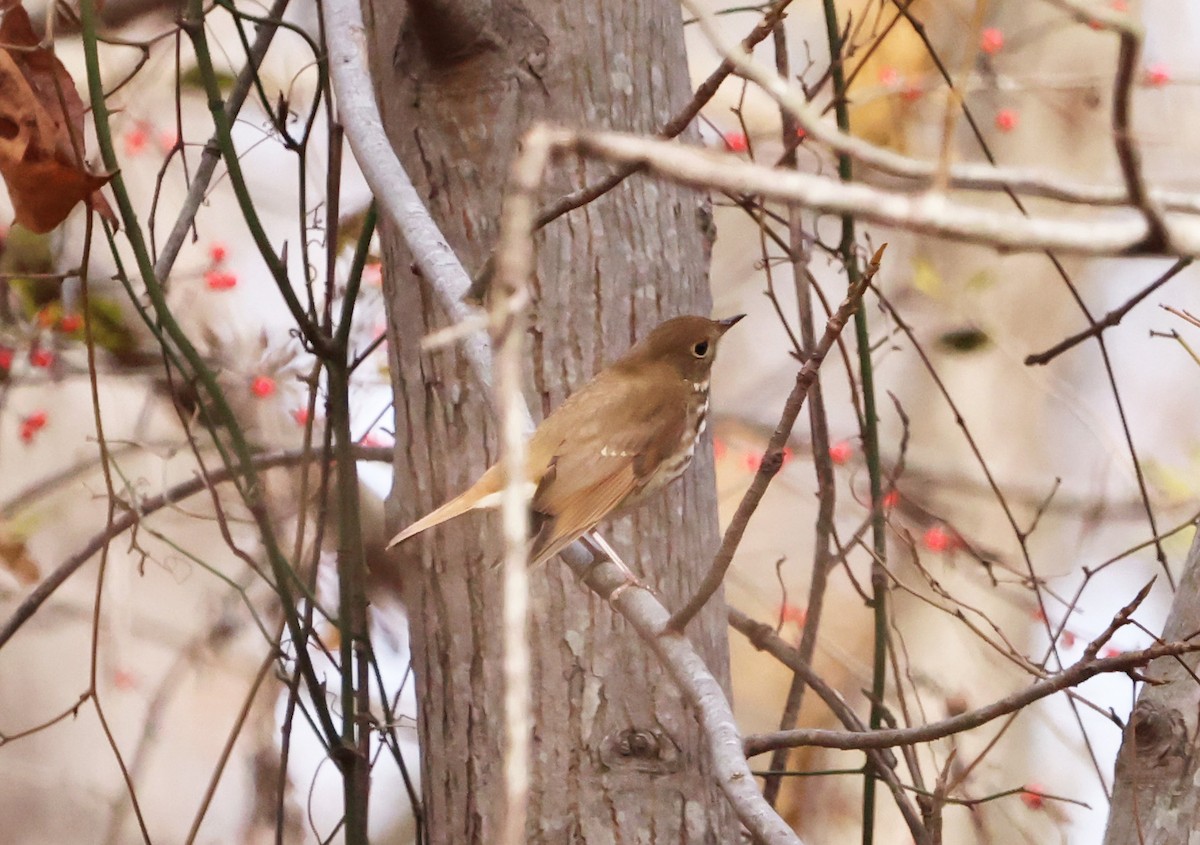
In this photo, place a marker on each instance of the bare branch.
(699, 688)
(212, 154)
(50, 584)
(863, 740)
(965, 176)
(394, 191)
(936, 214)
(764, 638)
(1109, 320)
(514, 266)
(771, 18)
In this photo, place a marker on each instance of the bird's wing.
(594, 465)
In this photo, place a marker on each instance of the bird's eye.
(700, 349)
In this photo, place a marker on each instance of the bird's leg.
(602, 550)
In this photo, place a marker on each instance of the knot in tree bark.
(641, 750)
(1158, 732)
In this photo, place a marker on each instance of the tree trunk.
(616, 756)
(1155, 799)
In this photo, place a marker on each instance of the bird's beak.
(729, 322)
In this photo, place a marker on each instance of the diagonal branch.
(699, 688)
(764, 638)
(389, 182)
(772, 17)
(1109, 320)
(144, 508)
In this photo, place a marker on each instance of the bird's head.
(688, 344)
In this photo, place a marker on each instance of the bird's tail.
(455, 507)
(479, 495)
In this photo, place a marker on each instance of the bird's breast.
(676, 463)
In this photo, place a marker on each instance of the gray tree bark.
(1155, 797)
(617, 757)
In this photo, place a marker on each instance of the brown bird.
(624, 435)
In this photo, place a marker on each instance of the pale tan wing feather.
(593, 468)
(579, 513)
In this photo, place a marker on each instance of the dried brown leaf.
(14, 556)
(41, 131)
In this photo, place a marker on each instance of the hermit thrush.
(624, 435)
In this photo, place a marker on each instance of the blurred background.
(1004, 472)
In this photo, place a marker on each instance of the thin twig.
(772, 18)
(764, 638)
(208, 160)
(1109, 320)
(803, 284)
(47, 587)
(1056, 682)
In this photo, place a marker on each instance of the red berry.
(70, 323)
(938, 538)
(889, 77)
(841, 452)
(719, 448)
(991, 41)
(373, 274)
(736, 142)
(217, 252)
(40, 357)
(1119, 6)
(262, 386)
(890, 499)
(911, 92)
(1033, 796)
(26, 433)
(218, 280)
(801, 133)
(136, 139)
(787, 455)
(6, 358)
(792, 613)
(1110, 651)
(1068, 639)
(300, 415)
(752, 461)
(1007, 120)
(1157, 75)
(36, 420)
